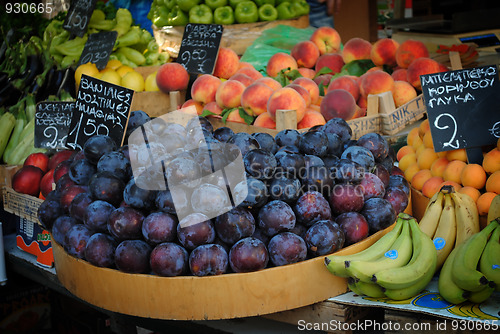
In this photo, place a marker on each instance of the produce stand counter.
(282, 322)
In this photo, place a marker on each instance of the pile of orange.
(428, 171)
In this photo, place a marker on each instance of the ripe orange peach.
(470, 191)
(438, 166)
(228, 95)
(360, 112)
(196, 104)
(243, 64)
(254, 98)
(473, 175)
(484, 202)
(356, 49)
(419, 178)
(338, 103)
(214, 108)
(172, 77)
(427, 139)
(419, 149)
(411, 136)
(243, 78)
(453, 171)
(417, 142)
(227, 63)
(265, 121)
(375, 83)
(234, 116)
(362, 102)
(306, 54)
(418, 67)
(403, 93)
(272, 83)
(411, 171)
(204, 88)
(302, 91)
(327, 39)
(307, 72)
(311, 87)
(491, 161)
(383, 52)
(493, 182)
(345, 82)
(404, 150)
(251, 72)
(286, 98)
(311, 118)
(280, 61)
(332, 61)
(455, 185)
(410, 50)
(431, 186)
(426, 158)
(424, 127)
(459, 154)
(399, 75)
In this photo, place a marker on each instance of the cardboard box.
(22, 205)
(24, 306)
(33, 239)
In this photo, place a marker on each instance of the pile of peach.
(427, 170)
(236, 84)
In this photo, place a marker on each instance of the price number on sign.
(90, 128)
(94, 57)
(453, 143)
(52, 134)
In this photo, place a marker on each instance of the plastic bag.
(139, 10)
(281, 38)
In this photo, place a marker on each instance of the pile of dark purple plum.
(306, 195)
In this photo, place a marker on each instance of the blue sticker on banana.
(439, 243)
(392, 254)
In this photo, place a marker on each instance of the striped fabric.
(318, 16)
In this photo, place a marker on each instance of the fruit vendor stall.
(294, 179)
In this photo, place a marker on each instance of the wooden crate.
(204, 298)
(6, 174)
(236, 36)
(155, 103)
(22, 205)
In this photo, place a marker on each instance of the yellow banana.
(444, 238)
(467, 216)
(423, 260)
(481, 296)
(370, 289)
(446, 287)
(489, 264)
(336, 263)
(412, 290)
(397, 256)
(429, 222)
(494, 211)
(464, 271)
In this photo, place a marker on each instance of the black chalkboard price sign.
(52, 121)
(101, 108)
(199, 47)
(78, 16)
(462, 107)
(98, 48)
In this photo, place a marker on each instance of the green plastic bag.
(281, 38)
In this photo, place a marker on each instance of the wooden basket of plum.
(145, 242)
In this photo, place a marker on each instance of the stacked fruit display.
(428, 171)
(117, 73)
(399, 265)
(181, 12)
(308, 195)
(471, 270)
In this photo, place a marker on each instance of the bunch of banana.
(399, 265)
(472, 270)
(450, 218)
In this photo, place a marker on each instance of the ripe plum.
(360, 155)
(60, 227)
(75, 240)
(98, 145)
(107, 187)
(247, 255)
(234, 225)
(100, 250)
(286, 248)
(288, 137)
(314, 142)
(377, 144)
(81, 170)
(208, 260)
(125, 223)
(371, 186)
(266, 142)
(132, 256)
(339, 127)
(79, 205)
(354, 225)
(397, 197)
(285, 188)
(223, 133)
(96, 215)
(194, 230)
(379, 213)
(324, 237)
(254, 190)
(346, 197)
(169, 259)
(117, 164)
(276, 216)
(159, 227)
(312, 207)
(260, 164)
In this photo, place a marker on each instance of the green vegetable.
(68, 61)
(213, 4)
(246, 12)
(132, 55)
(301, 7)
(103, 25)
(133, 36)
(151, 58)
(285, 11)
(186, 5)
(73, 47)
(177, 17)
(160, 18)
(234, 3)
(169, 3)
(267, 12)
(259, 3)
(123, 21)
(97, 15)
(224, 15)
(201, 14)
(18, 110)
(58, 39)
(7, 124)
